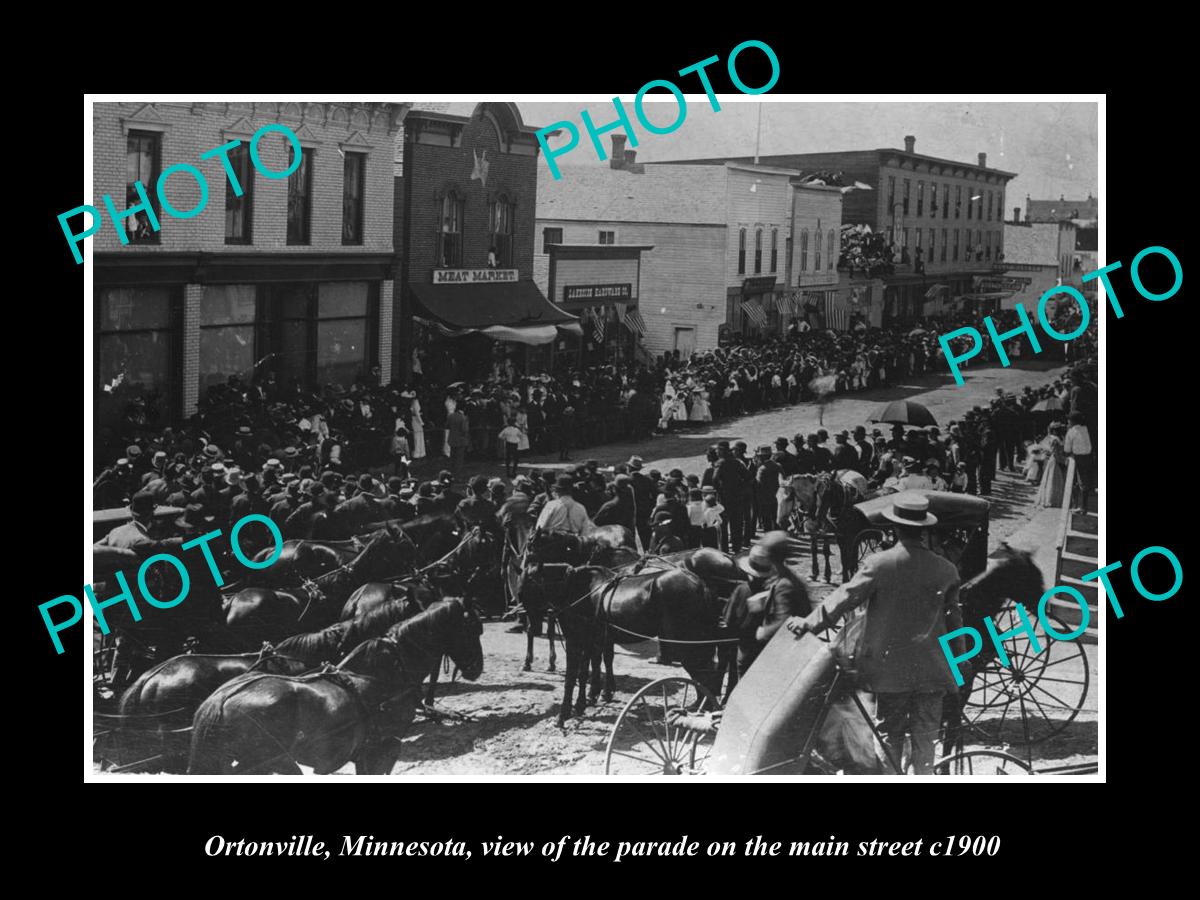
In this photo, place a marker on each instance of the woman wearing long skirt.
(1054, 476)
(522, 422)
(700, 411)
(417, 426)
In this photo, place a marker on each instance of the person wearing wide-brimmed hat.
(778, 592)
(911, 599)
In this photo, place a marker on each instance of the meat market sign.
(472, 276)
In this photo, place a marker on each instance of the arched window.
(451, 231)
(774, 249)
(742, 251)
(501, 228)
(804, 250)
(757, 251)
(829, 250)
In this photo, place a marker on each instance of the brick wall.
(386, 291)
(435, 169)
(191, 347)
(189, 129)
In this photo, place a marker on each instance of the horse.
(174, 688)
(267, 613)
(821, 499)
(262, 723)
(370, 596)
(596, 608)
(607, 545)
(1011, 574)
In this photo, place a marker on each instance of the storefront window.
(341, 331)
(133, 344)
(227, 315)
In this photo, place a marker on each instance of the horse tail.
(206, 757)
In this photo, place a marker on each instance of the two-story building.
(466, 188)
(292, 277)
(712, 241)
(944, 219)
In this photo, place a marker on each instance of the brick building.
(1062, 209)
(466, 186)
(713, 241)
(944, 219)
(294, 277)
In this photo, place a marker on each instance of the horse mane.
(305, 645)
(1014, 576)
(427, 619)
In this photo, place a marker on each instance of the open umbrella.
(903, 412)
(1050, 404)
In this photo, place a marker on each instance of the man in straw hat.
(911, 599)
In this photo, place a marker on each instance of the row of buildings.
(428, 237)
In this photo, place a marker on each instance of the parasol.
(903, 412)
(1050, 404)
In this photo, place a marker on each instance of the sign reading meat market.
(472, 276)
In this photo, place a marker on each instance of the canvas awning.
(505, 311)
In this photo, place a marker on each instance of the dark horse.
(1011, 575)
(422, 539)
(596, 608)
(608, 546)
(275, 723)
(262, 614)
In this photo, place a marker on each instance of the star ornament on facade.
(480, 169)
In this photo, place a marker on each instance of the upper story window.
(970, 202)
(501, 228)
(944, 242)
(829, 249)
(239, 211)
(774, 249)
(907, 186)
(891, 194)
(299, 208)
(354, 171)
(450, 248)
(920, 198)
(804, 250)
(608, 237)
(817, 247)
(741, 251)
(551, 236)
(946, 202)
(143, 160)
(958, 202)
(758, 251)
(933, 200)
(989, 208)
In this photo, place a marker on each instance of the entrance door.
(685, 342)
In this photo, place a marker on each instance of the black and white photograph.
(464, 439)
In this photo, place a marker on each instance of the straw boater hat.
(911, 508)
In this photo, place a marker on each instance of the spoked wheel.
(643, 740)
(868, 542)
(1037, 695)
(982, 762)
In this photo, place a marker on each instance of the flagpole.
(758, 133)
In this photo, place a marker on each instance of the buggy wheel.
(1034, 698)
(643, 740)
(982, 762)
(866, 543)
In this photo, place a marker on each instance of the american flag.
(634, 322)
(597, 316)
(783, 304)
(835, 313)
(756, 314)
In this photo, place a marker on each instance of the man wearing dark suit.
(788, 464)
(844, 456)
(821, 457)
(459, 436)
(644, 494)
(732, 482)
(866, 452)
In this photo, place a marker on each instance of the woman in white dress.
(680, 412)
(451, 405)
(700, 411)
(522, 423)
(417, 426)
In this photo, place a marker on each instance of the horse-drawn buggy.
(797, 708)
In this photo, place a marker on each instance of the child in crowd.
(399, 450)
(511, 436)
(712, 519)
